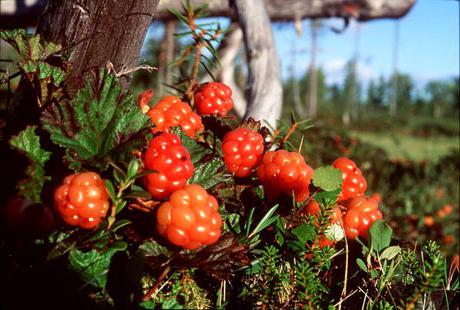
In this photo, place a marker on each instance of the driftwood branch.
(18, 14)
(265, 91)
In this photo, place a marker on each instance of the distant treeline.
(437, 98)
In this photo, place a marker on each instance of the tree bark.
(279, 10)
(98, 31)
(265, 93)
(166, 56)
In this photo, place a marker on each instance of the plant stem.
(157, 282)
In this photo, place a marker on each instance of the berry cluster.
(190, 218)
(170, 111)
(354, 184)
(171, 162)
(361, 214)
(285, 172)
(82, 200)
(213, 98)
(242, 150)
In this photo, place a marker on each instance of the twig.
(345, 280)
(157, 282)
(126, 71)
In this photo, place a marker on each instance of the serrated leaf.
(153, 248)
(92, 266)
(390, 252)
(327, 178)
(380, 235)
(28, 143)
(209, 173)
(35, 48)
(326, 198)
(48, 71)
(304, 233)
(99, 121)
(197, 151)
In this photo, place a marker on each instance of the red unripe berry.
(242, 150)
(171, 161)
(213, 98)
(82, 200)
(354, 184)
(190, 219)
(170, 111)
(285, 172)
(361, 214)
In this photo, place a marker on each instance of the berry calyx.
(171, 161)
(213, 98)
(82, 200)
(354, 184)
(242, 150)
(190, 219)
(285, 172)
(170, 111)
(361, 214)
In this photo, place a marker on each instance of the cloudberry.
(172, 164)
(213, 98)
(354, 184)
(361, 214)
(170, 111)
(285, 172)
(190, 218)
(82, 200)
(242, 150)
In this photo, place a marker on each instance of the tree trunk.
(265, 93)
(166, 56)
(98, 31)
(313, 85)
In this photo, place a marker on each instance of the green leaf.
(119, 224)
(361, 264)
(28, 143)
(390, 252)
(133, 167)
(380, 235)
(210, 173)
(266, 221)
(47, 71)
(110, 190)
(304, 233)
(197, 150)
(97, 123)
(327, 198)
(153, 248)
(327, 178)
(92, 266)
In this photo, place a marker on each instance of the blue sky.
(428, 44)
